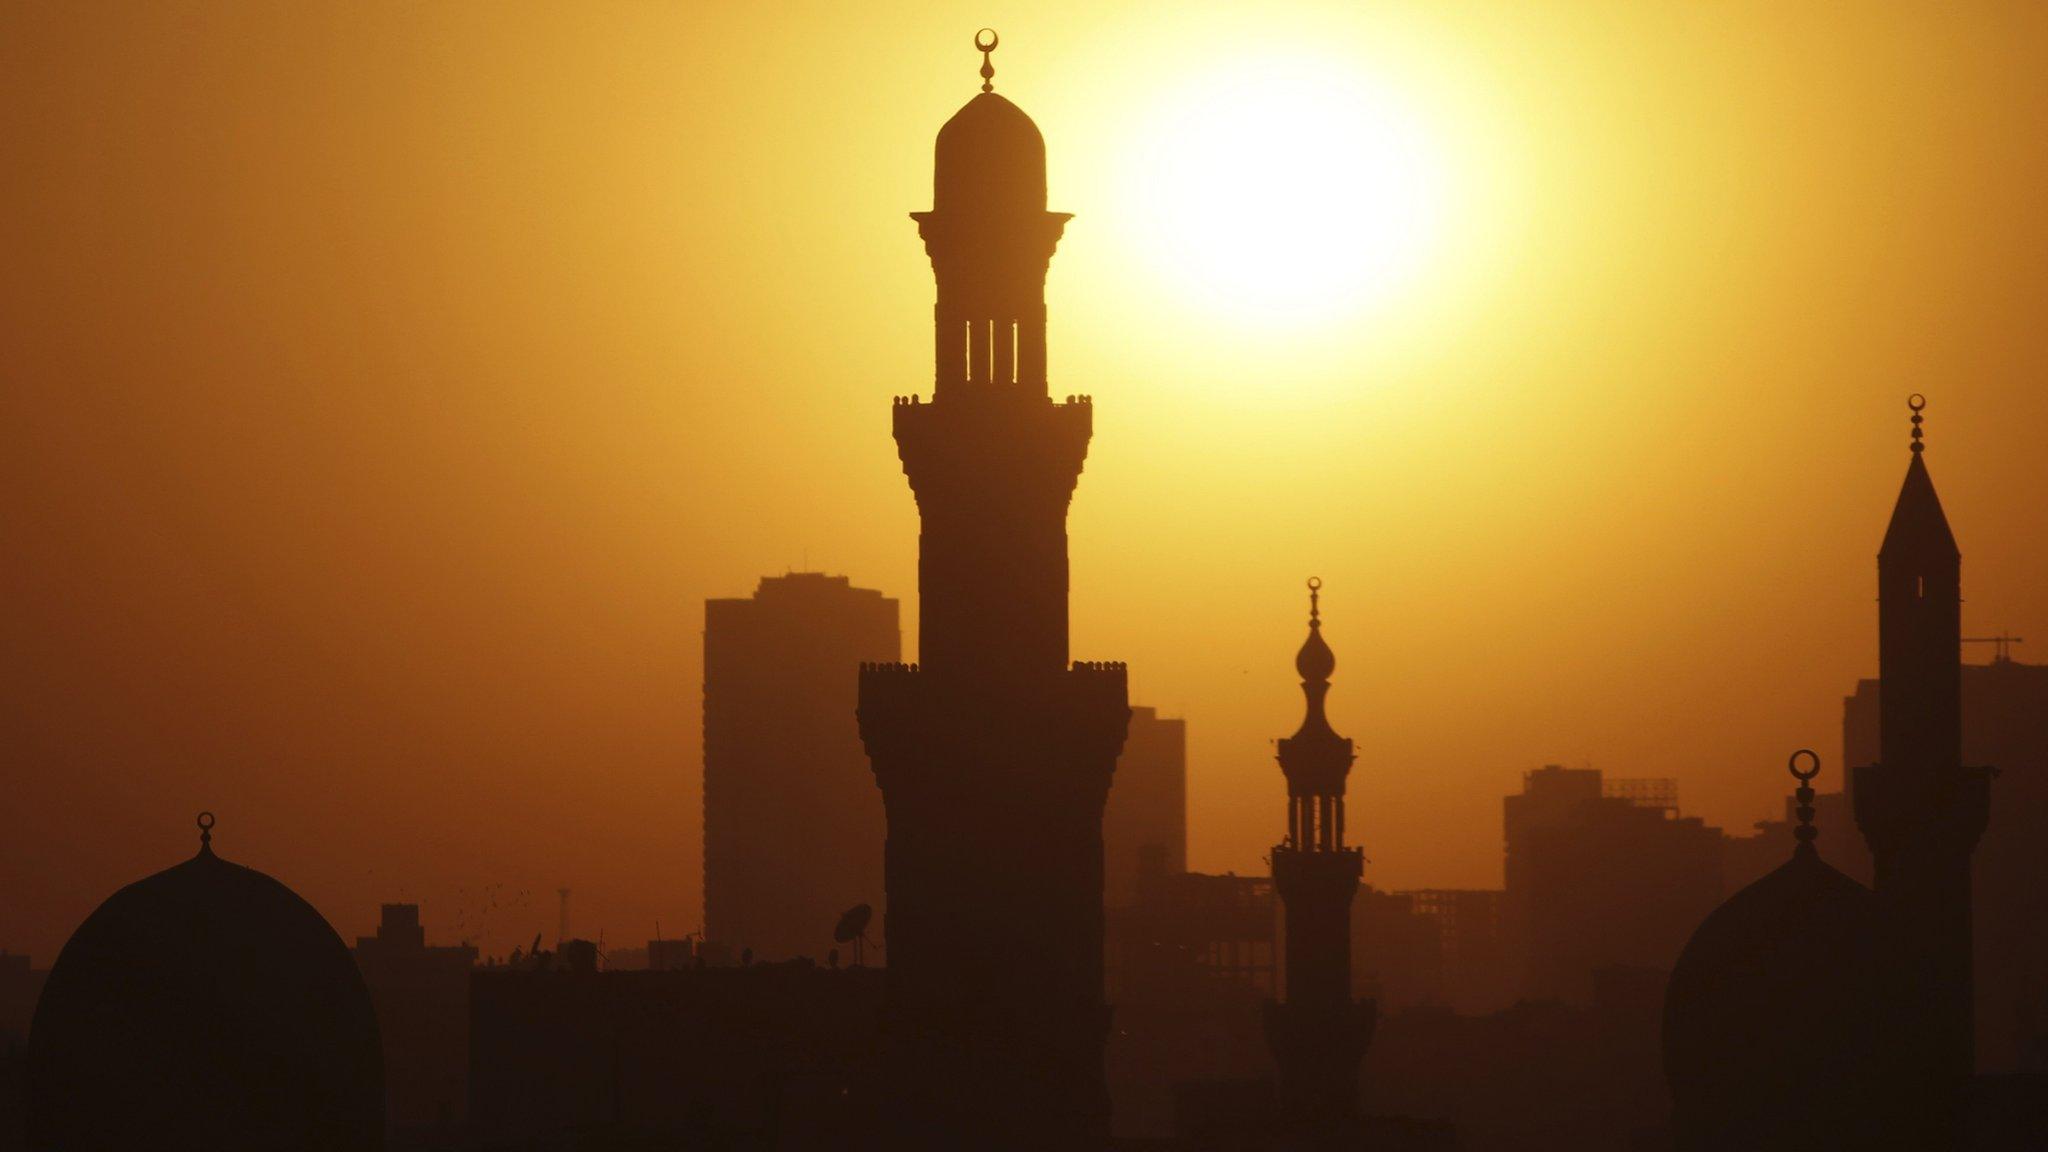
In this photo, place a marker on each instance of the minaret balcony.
(1900, 809)
(915, 724)
(994, 443)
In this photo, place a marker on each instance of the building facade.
(1192, 962)
(1147, 813)
(792, 820)
(762, 1056)
(1602, 874)
(421, 992)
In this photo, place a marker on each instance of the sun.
(1284, 192)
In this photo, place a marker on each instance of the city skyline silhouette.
(328, 510)
(396, 564)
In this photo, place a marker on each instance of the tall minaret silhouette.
(993, 754)
(1318, 1034)
(1919, 807)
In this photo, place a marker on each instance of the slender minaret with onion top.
(1317, 1032)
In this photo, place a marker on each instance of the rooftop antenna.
(2002, 653)
(562, 924)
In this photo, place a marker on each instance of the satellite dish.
(853, 929)
(853, 924)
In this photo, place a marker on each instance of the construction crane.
(2002, 654)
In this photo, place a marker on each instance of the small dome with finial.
(206, 1006)
(990, 157)
(1315, 759)
(1778, 1020)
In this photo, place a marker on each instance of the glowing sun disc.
(1285, 192)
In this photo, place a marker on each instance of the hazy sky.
(383, 388)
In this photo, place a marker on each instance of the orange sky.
(386, 385)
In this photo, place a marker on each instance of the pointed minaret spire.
(1920, 625)
(1918, 524)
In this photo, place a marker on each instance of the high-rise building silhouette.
(1474, 973)
(1601, 873)
(1193, 930)
(994, 755)
(1147, 813)
(1396, 951)
(1317, 1032)
(1920, 808)
(792, 820)
(421, 993)
(1191, 964)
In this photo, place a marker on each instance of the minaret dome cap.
(990, 157)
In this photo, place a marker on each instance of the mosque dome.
(990, 157)
(1779, 1025)
(206, 1006)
